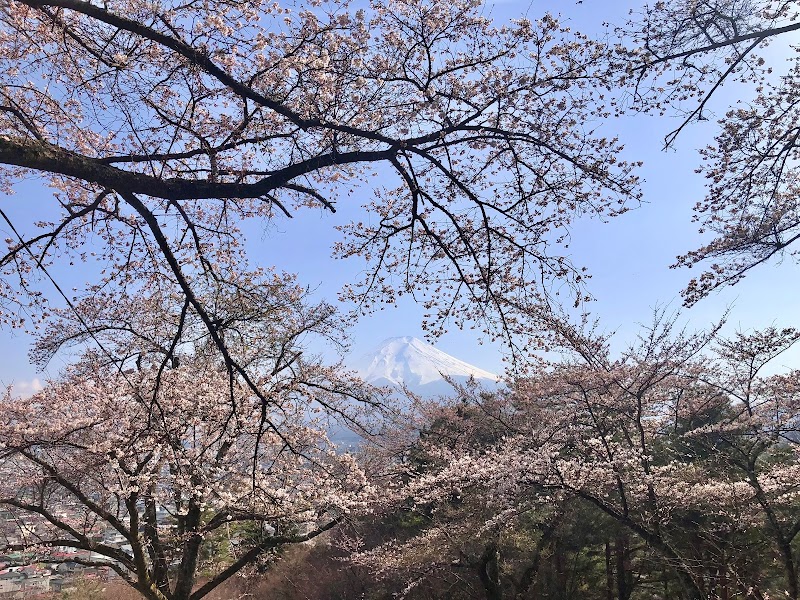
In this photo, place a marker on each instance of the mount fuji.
(417, 365)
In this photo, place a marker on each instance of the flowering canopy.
(162, 125)
(154, 437)
(681, 442)
(687, 53)
(164, 461)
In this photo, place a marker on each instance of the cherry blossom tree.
(163, 126)
(684, 53)
(150, 438)
(682, 442)
(465, 539)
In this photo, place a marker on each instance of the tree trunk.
(789, 570)
(609, 573)
(187, 571)
(655, 540)
(623, 589)
(528, 578)
(724, 592)
(489, 572)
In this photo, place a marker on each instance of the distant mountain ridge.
(416, 365)
(411, 362)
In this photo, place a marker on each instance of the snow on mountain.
(410, 361)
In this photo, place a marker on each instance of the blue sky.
(628, 257)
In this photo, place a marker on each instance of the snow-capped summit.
(411, 362)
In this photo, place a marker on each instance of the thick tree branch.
(44, 156)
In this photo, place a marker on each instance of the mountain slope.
(411, 362)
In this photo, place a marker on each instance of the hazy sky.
(628, 257)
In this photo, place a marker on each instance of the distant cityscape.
(43, 572)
